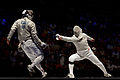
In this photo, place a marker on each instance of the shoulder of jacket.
(73, 36)
(30, 22)
(18, 20)
(84, 34)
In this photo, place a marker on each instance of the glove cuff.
(60, 38)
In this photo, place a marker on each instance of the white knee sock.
(71, 66)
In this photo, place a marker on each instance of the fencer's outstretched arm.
(67, 39)
(90, 38)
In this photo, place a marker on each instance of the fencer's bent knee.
(71, 59)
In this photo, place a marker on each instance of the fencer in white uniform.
(28, 40)
(80, 40)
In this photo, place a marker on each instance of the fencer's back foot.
(107, 75)
(44, 75)
(70, 76)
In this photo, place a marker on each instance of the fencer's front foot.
(70, 76)
(44, 75)
(107, 75)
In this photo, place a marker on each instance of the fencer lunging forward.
(79, 39)
(28, 40)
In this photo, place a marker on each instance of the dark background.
(98, 18)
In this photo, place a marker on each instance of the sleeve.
(89, 38)
(12, 30)
(34, 34)
(69, 39)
